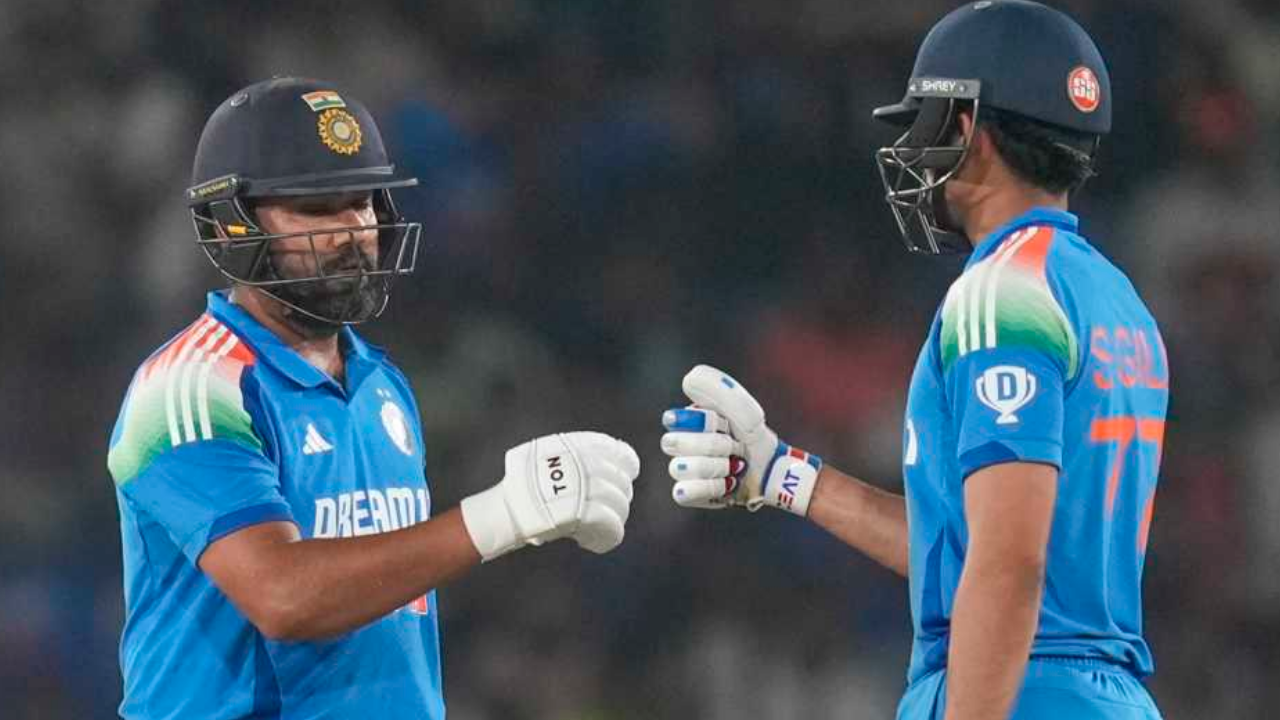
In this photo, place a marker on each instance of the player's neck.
(1005, 203)
(321, 351)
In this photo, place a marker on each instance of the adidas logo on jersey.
(315, 442)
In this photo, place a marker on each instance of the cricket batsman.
(1036, 412)
(281, 552)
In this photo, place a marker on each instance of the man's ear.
(964, 123)
(970, 134)
(978, 139)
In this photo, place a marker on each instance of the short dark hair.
(1050, 157)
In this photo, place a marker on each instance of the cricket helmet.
(293, 137)
(1016, 56)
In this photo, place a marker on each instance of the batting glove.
(723, 453)
(575, 485)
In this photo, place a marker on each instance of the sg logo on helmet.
(1006, 389)
(1084, 89)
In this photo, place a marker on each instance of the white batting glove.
(724, 454)
(575, 485)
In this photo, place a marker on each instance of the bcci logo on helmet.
(1006, 389)
(339, 131)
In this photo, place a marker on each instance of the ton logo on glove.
(556, 474)
(575, 485)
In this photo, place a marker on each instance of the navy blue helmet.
(294, 137)
(1016, 56)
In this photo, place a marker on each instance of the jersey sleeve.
(1008, 352)
(185, 451)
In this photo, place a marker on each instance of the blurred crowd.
(612, 191)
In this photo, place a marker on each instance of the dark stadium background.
(613, 191)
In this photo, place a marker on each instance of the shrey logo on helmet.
(1084, 90)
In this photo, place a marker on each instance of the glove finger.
(601, 530)
(621, 482)
(698, 467)
(597, 449)
(604, 472)
(694, 419)
(598, 541)
(716, 390)
(608, 468)
(610, 495)
(585, 444)
(704, 494)
(624, 486)
(676, 444)
(626, 459)
(584, 437)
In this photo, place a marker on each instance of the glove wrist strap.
(790, 479)
(489, 523)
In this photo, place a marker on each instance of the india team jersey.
(225, 427)
(1042, 352)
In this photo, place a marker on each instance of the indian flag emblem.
(323, 100)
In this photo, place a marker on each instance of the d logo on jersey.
(1005, 389)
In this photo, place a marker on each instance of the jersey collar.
(362, 357)
(1035, 216)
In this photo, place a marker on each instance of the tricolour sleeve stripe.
(972, 317)
(202, 390)
(190, 369)
(972, 289)
(186, 344)
(187, 393)
(1005, 300)
(1007, 253)
(957, 290)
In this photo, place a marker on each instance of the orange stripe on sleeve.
(1034, 253)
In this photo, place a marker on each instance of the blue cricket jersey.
(225, 427)
(1042, 352)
